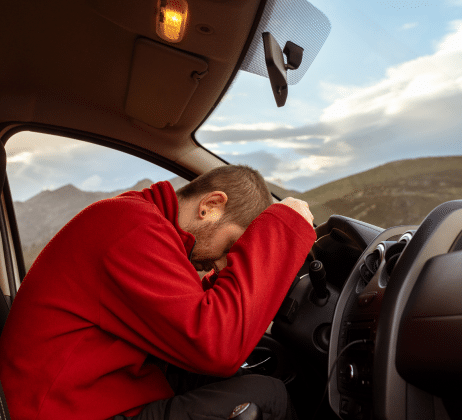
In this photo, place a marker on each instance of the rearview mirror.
(277, 69)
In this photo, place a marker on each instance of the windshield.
(372, 129)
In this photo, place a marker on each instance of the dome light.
(171, 19)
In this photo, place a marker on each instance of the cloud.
(21, 157)
(310, 164)
(452, 41)
(92, 183)
(267, 163)
(408, 26)
(413, 111)
(253, 132)
(407, 93)
(38, 161)
(261, 126)
(454, 2)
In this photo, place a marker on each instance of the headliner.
(66, 67)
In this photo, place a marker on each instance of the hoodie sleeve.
(152, 297)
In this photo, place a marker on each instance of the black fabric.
(2, 165)
(217, 400)
(4, 414)
(4, 310)
(4, 306)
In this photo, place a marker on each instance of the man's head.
(217, 207)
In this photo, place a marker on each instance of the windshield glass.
(382, 101)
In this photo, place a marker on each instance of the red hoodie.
(116, 284)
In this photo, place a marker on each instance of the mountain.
(43, 215)
(401, 192)
(398, 193)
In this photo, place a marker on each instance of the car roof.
(73, 67)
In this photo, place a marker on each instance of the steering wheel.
(303, 323)
(408, 328)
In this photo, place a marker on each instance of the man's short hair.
(248, 194)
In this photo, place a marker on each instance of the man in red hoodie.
(114, 299)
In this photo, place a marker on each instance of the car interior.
(372, 325)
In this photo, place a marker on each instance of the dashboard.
(395, 343)
(387, 327)
(357, 330)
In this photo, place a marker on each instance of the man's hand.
(300, 206)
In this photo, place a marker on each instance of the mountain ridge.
(397, 193)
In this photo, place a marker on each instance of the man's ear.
(212, 205)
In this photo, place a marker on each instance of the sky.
(386, 85)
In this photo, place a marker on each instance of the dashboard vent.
(387, 253)
(392, 256)
(371, 264)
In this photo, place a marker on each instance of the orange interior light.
(171, 19)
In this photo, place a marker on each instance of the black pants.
(216, 401)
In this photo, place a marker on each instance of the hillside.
(397, 193)
(40, 217)
(43, 215)
(401, 192)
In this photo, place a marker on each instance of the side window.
(52, 178)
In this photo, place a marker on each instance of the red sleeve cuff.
(293, 219)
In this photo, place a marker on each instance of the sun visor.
(162, 82)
